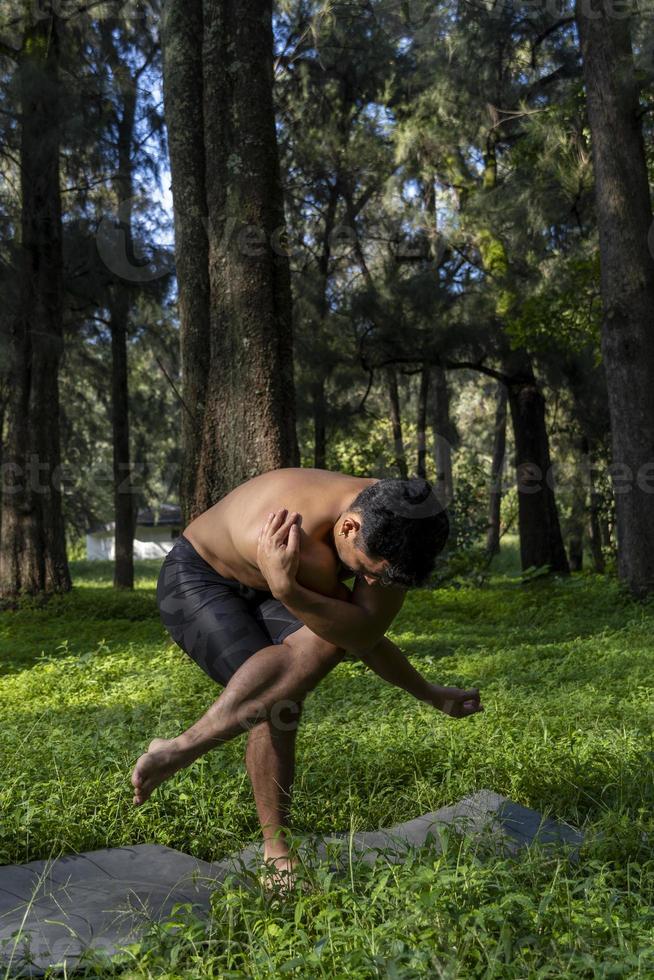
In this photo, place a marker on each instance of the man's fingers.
(277, 521)
(293, 537)
(273, 523)
(280, 535)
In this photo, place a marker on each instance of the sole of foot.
(154, 767)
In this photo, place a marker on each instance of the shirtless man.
(254, 591)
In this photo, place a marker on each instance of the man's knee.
(285, 716)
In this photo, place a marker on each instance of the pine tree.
(224, 161)
(33, 551)
(624, 218)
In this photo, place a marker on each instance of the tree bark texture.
(443, 434)
(33, 554)
(541, 543)
(319, 424)
(244, 409)
(423, 397)
(624, 218)
(396, 423)
(321, 367)
(120, 301)
(578, 507)
(182, 38)
(594, 520)
(497, 470)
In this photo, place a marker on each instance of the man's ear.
(350, 525)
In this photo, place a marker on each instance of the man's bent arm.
(389, 663)
(357, 626)
(384, 658)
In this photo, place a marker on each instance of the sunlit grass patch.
(565, 672)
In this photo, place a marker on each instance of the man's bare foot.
(279, 873)
(162, 759)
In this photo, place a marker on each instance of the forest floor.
(565, 670)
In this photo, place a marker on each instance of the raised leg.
(261, 689)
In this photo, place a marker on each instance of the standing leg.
(261, 688)
(270, 761)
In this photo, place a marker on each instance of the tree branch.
(478, 366)
(552, 29)
(173, 386)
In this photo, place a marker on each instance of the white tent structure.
(154, 536)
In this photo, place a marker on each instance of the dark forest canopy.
(411, 238)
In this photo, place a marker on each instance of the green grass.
(565, 670)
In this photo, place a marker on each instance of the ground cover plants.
(565, 671)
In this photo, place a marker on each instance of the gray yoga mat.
(55, 912)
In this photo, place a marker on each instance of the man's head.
(392, 532)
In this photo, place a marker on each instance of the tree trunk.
(319, 425)
(578, 510)
(182, 38)
(119, 312)
(594, 523)
(322, 306)
(3, 411)
(497, 470)
(246, 410)
(624, 218)
(423, 396)
(124, 501)
(33, 555)
(443, 435)
(396, 422)
(541, 543)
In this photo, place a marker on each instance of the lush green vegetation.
(565, 670)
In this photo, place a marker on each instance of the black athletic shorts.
(217, 621)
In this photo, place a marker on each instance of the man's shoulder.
(319, 566)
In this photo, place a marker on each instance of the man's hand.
(278, 551)
(454, 701)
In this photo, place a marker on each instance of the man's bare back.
(226, 535)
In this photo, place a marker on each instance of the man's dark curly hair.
(404, 522)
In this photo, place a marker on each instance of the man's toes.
(140, 796)
(137, 777)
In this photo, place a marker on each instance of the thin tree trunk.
(248, 423)
(124, 501)
(119, 313)
(578, 508)
(319, 425)
(3, 412)
(443, 430)
(33, 555)
(624, 218)
(423, 397)
(319, 385)
(396, 422)
(182, 38)
(594, 524)
(541, 543)
(497, 470)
